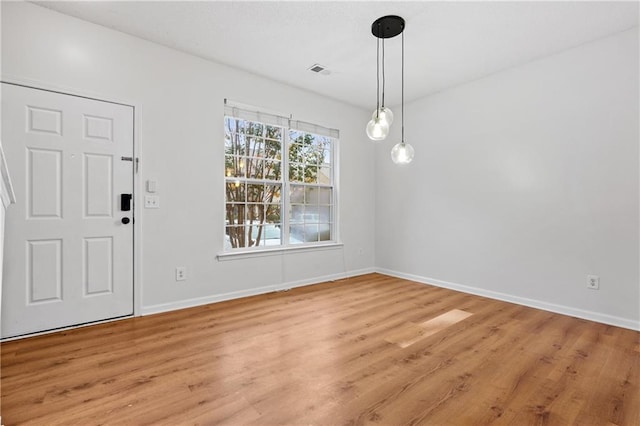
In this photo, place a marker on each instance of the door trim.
(137, 186)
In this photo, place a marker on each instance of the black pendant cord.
(377, 78)
(402, 88)
(384, 80)
(386, 27)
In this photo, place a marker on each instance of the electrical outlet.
(181, 273)
(151, 202)
(593, 282)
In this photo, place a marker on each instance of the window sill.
(247, 254)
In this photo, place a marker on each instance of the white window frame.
(287, 124)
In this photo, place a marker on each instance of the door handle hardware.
(135, 160)
(125, 202)
(126, 220)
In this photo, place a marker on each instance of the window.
(279, 181)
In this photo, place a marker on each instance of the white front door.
(68, 256)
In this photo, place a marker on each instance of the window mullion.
(284, 199)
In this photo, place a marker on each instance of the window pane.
(308, 210)
(256, 147)
(272, 230)
(316, 153)
(234, 166)
(272, 214)
(240, 169)
(255, 192)
(255, 234)
(241, 146)
(272, 170)
(235, 192)
(326, 157)
(296, 172)
(253, 128)
(324, 175)
(324, 232)
(311, 174)
(228, 146)
(311, 215)
(272, 193)
(254, 168)
(230, 125)
(272, 235)
(273, 132)
(324, 214)
(297, 151)
(295, 134)
(311, 195)
(240, 124)
(324, 196)
(296, 234)
(255, 213)
(230, 165)
(273, 149)
(297, 214)
(236, 144)
(296, 194)
(310, 233)
(234, 213)
(236, 236)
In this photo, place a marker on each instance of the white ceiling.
(446, 43)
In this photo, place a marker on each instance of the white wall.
(523, 183)
(179, 100)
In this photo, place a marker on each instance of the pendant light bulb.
(402, 153)
(377, 129)
(385, 115)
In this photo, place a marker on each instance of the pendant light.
(378, 128)
(402, 153)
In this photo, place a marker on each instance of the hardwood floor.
(367, 350)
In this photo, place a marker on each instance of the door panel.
(44, 183)
(68, 258)
(98, 190)
(44, 265)
(97, 266)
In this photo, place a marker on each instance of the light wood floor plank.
(367, 350)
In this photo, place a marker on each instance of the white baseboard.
(538, 304)
(189, 303)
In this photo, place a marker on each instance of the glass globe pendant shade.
(385, 115)
(377, 129)
(402, 153)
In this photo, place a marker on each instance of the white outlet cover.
(151, 202)
(181, 273)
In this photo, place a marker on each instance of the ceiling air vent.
(319, 69)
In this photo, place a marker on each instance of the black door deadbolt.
(125, 202)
